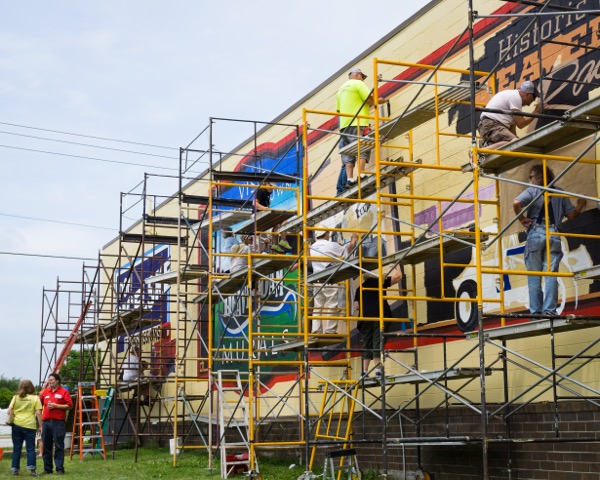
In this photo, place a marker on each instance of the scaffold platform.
(580, 122)
(413, 118)
(536, 327)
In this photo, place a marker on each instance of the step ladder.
(234, 444)
(336, 414)
(346, 469)
(87, 426)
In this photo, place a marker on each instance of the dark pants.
(20, 435)
(53, 435)
(371, 339)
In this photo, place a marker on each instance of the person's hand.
(354, 238)
(538, 108)
(526, 222)
(581, 203)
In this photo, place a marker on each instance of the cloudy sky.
(140, 79)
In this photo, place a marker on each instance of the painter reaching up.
(498, 129)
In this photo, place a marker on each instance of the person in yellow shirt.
(27, 408)
(353, 98)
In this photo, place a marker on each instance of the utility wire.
(88, 136)
(87, 145)
(39, 255)
(57, 221)
(90, 158)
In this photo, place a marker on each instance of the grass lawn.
(153, 463)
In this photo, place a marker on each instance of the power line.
(87, 136)
(57, 221)
(90, 158)
(39, 255)
(87, 145)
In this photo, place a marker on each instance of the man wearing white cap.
(326, 300)
(353, 98)
(497, 129)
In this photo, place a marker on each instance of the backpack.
(369, 247)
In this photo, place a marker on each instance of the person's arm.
(352, 243)
(518, 209)
(356, 303)
(38, 416)
(260, 207)
(522, 122)
(396, 275)
(581, 202)
(371, 101)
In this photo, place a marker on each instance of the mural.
(279, 313)
(134, 294)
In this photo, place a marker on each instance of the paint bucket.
(172, 446)
(68, 440)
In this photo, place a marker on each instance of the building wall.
(427, 39)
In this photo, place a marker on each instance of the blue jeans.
(20, 434)
(342, 180)
(53, 435)
(536, 260)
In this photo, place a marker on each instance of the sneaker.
(33, 474)
(285, 245)
(15, 473)
(364, 176)
(351, 181)
(377, 373)
(60, 472)
(277, 249)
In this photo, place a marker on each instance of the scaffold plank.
(426, 250)
(154, 239)
(264, 221)
(339, 272)
(549, 138)
(224, 218)
(126, 321)
(219, 176)
(535, 328)
(216, 201)
(431, 248)
(426, 376)
(368, 186)
(158, 220)
(592, 273)
(187, 273)
(236, 280)
(298, 345)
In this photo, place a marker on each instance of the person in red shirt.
(55, 401)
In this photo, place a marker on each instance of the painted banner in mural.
(134, 294)
(274, 313)
(282, 157)
(279, 314)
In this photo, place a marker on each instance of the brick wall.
(547, 458)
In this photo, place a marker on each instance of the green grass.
(158, 463)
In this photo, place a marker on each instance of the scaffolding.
(171, 274)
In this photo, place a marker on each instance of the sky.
(76, 76)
